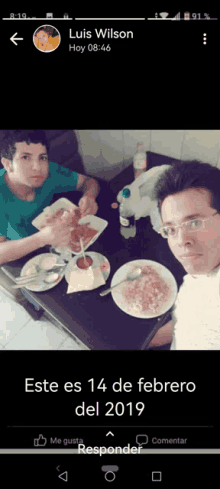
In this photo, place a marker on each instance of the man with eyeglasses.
(188, 198)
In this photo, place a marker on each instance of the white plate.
(65, 203)
(162, 271)
(29, 268)
(95, 222)
(98, 261)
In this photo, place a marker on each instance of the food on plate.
(55, 218)
(147, 293)
(84, 263)
(48, 262)
(83, 231)
(104, 266)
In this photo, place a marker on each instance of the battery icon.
(186, 16)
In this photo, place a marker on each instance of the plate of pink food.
(150, 295)
(87, 228)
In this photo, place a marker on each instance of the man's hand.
(90, 189)
(2, 239)
(87, 206)
(56, 234)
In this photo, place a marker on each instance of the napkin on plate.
(85, 280)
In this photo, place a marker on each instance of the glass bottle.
(139, 160)
(127, 215)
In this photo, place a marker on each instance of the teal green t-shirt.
(16, 215)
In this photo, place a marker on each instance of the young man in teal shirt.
(27, 185)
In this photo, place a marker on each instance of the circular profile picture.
(46, 38)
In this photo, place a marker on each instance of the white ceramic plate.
(95, 222)
(29, 268)
(162, 271)
(98, 261)
(60, 203)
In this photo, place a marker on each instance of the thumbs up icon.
(40, 442)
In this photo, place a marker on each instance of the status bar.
(69, 18)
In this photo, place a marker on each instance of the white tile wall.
(202, 145)
(102, 152)
(168, 143)
(131, 138)
(106, 153)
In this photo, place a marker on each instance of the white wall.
(106, 153)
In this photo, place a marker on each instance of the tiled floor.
(19, 331)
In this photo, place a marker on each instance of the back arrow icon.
(13, 38)
(64, 476)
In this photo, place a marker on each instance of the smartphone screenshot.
(109, 246)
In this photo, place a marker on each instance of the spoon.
(47, 280)
(131, 276)
(33, 276)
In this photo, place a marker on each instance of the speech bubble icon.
(141, 439)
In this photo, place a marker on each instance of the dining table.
(95, 322)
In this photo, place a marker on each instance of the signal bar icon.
(164, 16)
(177, 16)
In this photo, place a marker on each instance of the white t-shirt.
(197, 313)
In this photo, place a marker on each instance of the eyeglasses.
(189, 226)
